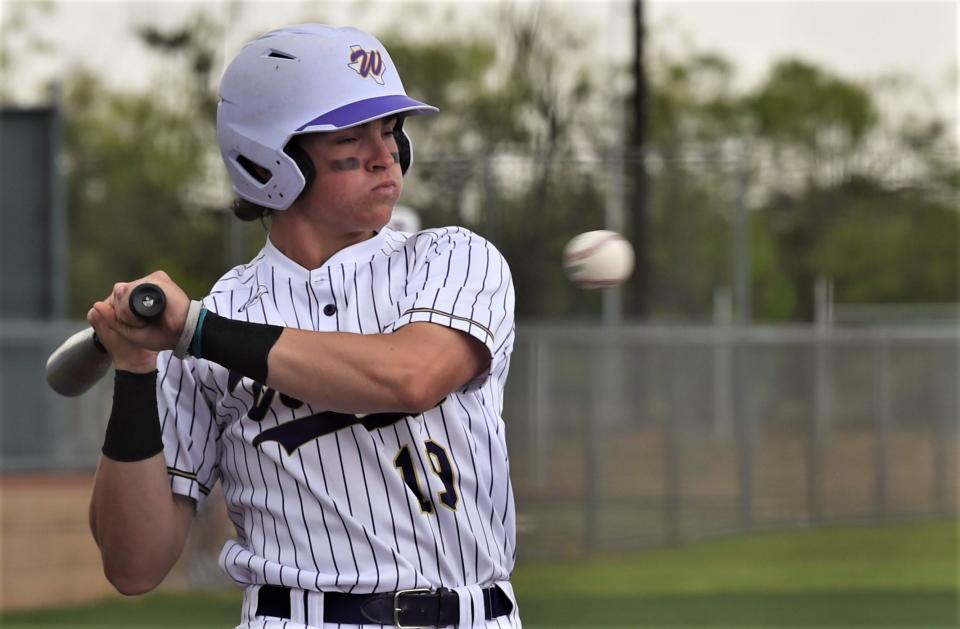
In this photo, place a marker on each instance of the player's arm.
(411, 369)
(139, 525)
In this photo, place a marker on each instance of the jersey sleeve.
(460, 280)
(189, 431)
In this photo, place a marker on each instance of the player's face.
(358, 176)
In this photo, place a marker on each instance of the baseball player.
(345, 386)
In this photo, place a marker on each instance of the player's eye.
(390, 127)
(346, 140)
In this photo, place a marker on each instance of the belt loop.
(251, 595)
(298, 609)
(314, 609)
(471, 607)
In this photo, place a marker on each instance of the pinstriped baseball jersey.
(333, 502)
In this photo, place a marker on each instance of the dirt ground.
(48, 555)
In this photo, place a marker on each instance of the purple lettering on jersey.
(293, 434)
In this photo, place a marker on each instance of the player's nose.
(383, 151)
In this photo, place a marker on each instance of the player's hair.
(249, 211)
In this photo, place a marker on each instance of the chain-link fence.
(624, 437)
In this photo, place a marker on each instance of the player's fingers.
(158, 275)
(120, 298)
(117, 298)
(114, 336)
(118, 290)
(102, 314)
(103, 319)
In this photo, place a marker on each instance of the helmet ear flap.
(302, 160)
(404, 146)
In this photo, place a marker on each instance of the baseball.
(598, 259)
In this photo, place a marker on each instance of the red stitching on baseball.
(573, 257)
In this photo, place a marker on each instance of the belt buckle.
(396, 608)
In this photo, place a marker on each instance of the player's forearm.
(136, 523)
(353, 373)
(133, 515)
(409, 370)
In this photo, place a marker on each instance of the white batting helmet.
(301, 79)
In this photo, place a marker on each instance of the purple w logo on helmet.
(367, 63)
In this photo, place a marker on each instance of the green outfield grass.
(898, 576)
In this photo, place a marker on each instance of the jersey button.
(329, 310)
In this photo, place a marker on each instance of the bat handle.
(147, 301)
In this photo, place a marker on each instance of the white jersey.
(326, 501)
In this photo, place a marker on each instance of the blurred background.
(760, 428)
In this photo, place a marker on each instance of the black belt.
(406, 608)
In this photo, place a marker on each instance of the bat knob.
(147, 301)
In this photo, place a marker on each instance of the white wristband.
(189, 327)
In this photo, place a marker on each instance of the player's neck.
(310, 245)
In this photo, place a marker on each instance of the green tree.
(519, 155)
(693, 111)
(822, 163)
(137, 165)
(503, 159)
(848, 197)
(131, 162)
(18, 38)
(812, 118)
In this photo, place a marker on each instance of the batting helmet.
(301, 79)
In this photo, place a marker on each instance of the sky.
(857, 39)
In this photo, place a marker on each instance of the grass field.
(899, 576)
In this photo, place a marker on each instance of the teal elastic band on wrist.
(195, 344)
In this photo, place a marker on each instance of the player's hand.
(162, 333)
(126, 355)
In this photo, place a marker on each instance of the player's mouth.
(386, 188)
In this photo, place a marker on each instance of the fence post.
(591, 462)
(883, 401)
(743, 423)
(945, 430)
(822, 395)
(590, 471)
(671, 454)
(539, 398)
(722, 339)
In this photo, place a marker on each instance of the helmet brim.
(361, 112)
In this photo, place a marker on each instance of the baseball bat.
(81, 360)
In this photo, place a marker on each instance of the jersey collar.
(360, 252)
